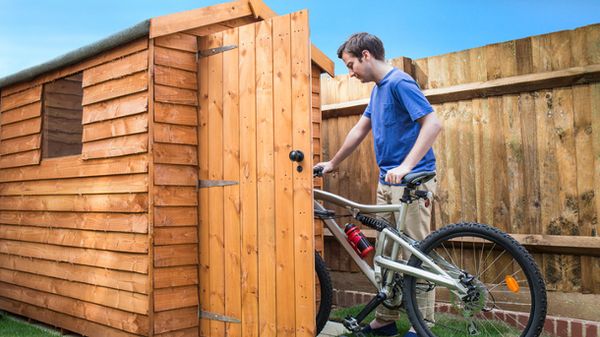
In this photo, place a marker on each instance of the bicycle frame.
(434, 273)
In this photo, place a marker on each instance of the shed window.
(62, 128)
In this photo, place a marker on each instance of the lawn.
(499, 329)
(12, 327)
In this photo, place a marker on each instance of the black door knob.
(297, 156)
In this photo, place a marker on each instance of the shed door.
(256, 238)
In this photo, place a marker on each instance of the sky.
(35, 31)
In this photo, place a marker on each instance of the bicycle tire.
(326, 293)
(535, 292)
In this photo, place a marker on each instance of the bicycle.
(476, 273)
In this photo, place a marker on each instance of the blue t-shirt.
(396, 103)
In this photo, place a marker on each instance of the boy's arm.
(353, 139)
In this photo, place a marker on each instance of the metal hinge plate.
(216, 317)
(216, 183)
(214, 51)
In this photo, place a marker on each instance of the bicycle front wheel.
(506, 292)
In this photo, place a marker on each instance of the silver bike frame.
(434, 273)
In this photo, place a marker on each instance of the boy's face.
(358, 69)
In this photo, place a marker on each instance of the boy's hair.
(362, 41)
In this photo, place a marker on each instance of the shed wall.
(74, 230)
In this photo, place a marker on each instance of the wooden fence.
(520, 147)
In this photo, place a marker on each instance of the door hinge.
(214, 51)
(216, 317)
(216, 183)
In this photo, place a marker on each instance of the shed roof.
(200, 21)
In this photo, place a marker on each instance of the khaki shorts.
(417, 226)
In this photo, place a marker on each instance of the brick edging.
(555, 325)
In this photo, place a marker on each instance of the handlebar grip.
(318, 171)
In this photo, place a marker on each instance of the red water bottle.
(357, 240)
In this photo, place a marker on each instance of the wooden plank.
(175, 154)
(172, 175)
(319, 58)
(524, 56)
(175, 134)
(531, 175)
(174, 320)
(180, 41)
(69, 101)
(248, 188)
(561, 50)
(465, 156)
(175, 196)
(515, 152)
(81, 186)
(116, 69)
(175, 277)
(134, 243)
(68, 86)
(231, 195)
(22, 128)
(108, 222)
(22, 113)
(175, 114)
(203, 195)
(124, 86)
(177, 22)
(440, 210)
(178, 255)
(115, 108)
(566, 162)
(21, 144)
(90, 257)
(115, 147)
(114, 279)
(20, 159)
(115, 128)
(265, 180)
(175, 95)
(75, 203)
(582, 120)
(133, 323)
(107, 56)
(175, 78)
(595, 109)
(175, 235)
(70, 323)
(175, 298)
(282, 109)
(111, 298)
(74, 166)
(175, 59)
(215, 172)
(189, 332)
(12, 101)
(303, 208)
(500, 179)
(175, 216)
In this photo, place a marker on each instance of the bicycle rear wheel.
(325, 290)
(507, 295)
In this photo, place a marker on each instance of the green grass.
(11, 327)
(498, 329)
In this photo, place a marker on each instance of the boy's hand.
(395, 175)
(327, 167)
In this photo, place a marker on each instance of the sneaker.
(386, 330)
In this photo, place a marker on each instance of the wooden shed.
(106, 228)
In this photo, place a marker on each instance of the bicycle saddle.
(417, 178)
